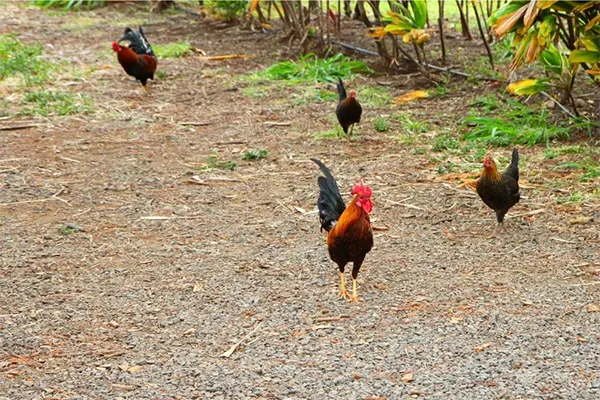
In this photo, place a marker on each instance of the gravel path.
(134, 307)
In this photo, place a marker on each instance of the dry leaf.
(197, 287)
(190, 331)
(592, 308)
(356, 376)
(417, 94)
(455, 320)
(581, 339)
(481, 348)
(408, 377)
(134, 370)
(580, 220)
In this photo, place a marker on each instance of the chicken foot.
(343, 292)
(354, 297)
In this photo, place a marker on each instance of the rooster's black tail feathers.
(341, 89)
(138, 42)
(330, 202)
(513, 168)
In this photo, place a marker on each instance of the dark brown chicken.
(348, 110)
(138, 58)
(499, 191)
(350, 235)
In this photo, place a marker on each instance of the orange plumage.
(350, 236)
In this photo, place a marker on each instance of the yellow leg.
(343, 291)
(354, 297)
(147, 89)
(350, 133)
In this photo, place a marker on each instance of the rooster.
(499, 191)
(348, 110)
(138, 58)
(350, 236)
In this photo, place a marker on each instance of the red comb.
(360, 189)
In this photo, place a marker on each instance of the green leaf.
(528, 87)
(508, 8)
(584, 56)
(419, 8)
(552, 60)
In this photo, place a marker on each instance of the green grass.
(69, 4)
(514, 123)
(373, 96)
(212, 162)
(21, 60)
(255, 154)
(312, 95)
(161, 74)
(173, 50)
(335, 133)
(310, 68)
(55, 103)
(489, 102)
(481, 66)
(381, 125)
(412, 125)
(445, 142)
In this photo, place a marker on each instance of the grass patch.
(445, 142)
(515, 124)
(173, 50)
(255, 92)
(22, 60)
(412, 126)
(255, 154)
(381, 125)
(55, 103)
(69, 4)
(313, 95)
(310, 68)
(212, 162)
(331, 134)
(373, 96)
(489, 102)
(481, 66)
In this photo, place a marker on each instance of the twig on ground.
(232, 349)
(193, 123)
(528, 213)
(405, 205)
(53, 197)
(17, 127)
(231, 142)
(274, 123)
(332, 319)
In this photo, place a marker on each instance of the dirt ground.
(166, 275)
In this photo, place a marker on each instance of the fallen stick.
(231, 142)
(225, 57)
(229, 352)
(192, 123)
(534, 212)
(16, 128)
(405, 205)
(332, 319)
(274, 123)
